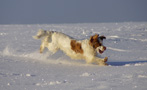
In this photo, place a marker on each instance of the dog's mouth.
(100, 51)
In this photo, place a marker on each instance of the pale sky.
(71, 11)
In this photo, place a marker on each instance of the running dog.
(76, 49)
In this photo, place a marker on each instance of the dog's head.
(96, 42)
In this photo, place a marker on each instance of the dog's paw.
(105, 59)
(106, 64)
(102, 64)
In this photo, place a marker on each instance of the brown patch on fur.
(94, 41)
(75, 46)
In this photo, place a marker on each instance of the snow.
(22, 67)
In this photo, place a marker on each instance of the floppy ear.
(94, 37)
(102, 37)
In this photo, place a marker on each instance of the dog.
(76, 49)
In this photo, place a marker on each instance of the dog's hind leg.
(45, 43)
(42, 47)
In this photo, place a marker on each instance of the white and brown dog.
(76, 49)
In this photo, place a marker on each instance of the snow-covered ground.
(22, 67)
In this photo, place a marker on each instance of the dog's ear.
(102, 37)
(94, 37)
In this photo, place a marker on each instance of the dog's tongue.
(100, 51)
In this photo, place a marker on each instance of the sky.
(72, 11)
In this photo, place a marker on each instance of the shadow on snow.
(125, 63)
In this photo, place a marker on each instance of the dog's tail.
(41, 33)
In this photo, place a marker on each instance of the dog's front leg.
(89, 60)
(101, 62)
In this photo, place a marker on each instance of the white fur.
(55, 41)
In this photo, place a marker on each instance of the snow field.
(22, 67)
